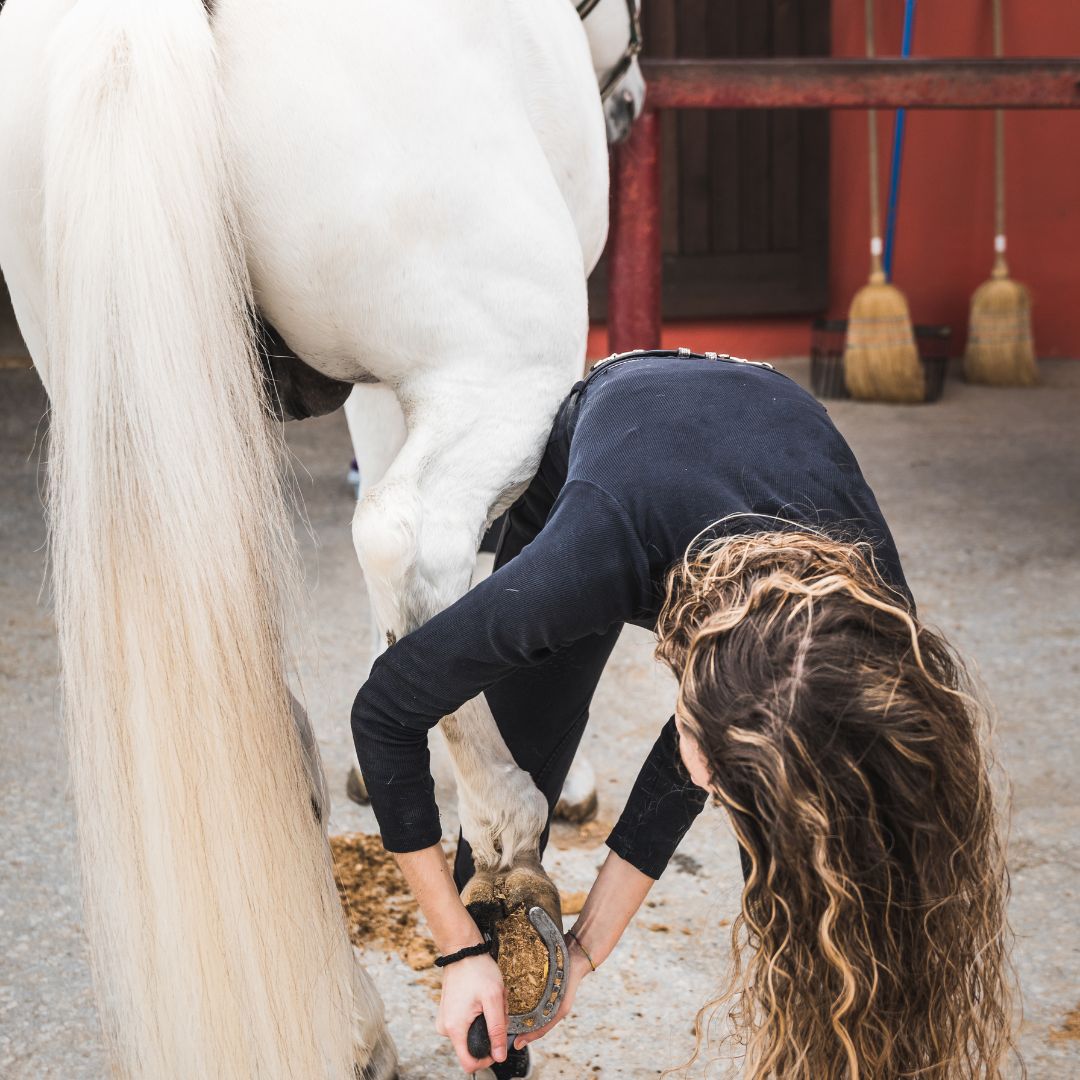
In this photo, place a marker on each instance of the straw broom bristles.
(1001, 348)
(881, 359)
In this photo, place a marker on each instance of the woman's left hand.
(579, 968)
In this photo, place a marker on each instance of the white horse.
(375, 419)
(411, 193)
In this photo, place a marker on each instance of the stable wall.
(946, 225)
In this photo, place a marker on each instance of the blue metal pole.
(898, 150)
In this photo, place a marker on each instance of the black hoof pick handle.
(478, 1042)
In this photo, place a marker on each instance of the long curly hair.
(846, 743)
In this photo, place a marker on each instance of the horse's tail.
(216, 934)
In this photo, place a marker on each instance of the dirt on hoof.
(523, 961)
(499, 902)
(379, 908)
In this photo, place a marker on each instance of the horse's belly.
(395, 196)
(26, 27)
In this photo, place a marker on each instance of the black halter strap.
(633, 48)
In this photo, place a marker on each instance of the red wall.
(945, 232)
(946, 224)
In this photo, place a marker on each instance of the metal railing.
(634, 251)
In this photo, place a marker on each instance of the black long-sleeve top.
(644, 456)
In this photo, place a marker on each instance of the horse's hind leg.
(377, 430)
(473, 444)
(578, 802)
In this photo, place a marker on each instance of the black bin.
(827, 357)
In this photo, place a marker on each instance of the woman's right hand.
(471, 987)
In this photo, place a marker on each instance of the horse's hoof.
(355, 787)
(577, 813)
(493, 898)
(382, 1063)
(527, 943)
(577, 801)
(485, 904)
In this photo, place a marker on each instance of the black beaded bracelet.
(463, 954)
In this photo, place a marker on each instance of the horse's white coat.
(420, 191)
(529, 219)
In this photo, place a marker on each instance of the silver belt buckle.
(738, 360)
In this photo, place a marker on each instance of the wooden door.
(745, 193)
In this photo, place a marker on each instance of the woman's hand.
(579, 968)
(475, 986)
(472, 987)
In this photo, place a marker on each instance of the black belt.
(567, 419)
(671, 354)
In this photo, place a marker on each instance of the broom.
(1000, 349)
(881, 361)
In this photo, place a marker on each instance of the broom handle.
(899, 124)
(877, 272)
(1001, 270)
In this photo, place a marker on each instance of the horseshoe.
(479, 1044)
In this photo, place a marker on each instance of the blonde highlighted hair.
(846, 744)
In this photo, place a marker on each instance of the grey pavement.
(982, 492)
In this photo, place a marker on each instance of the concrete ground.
(982, 492)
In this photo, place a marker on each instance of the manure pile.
(379, 909)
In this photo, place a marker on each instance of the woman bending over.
(714, 502)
